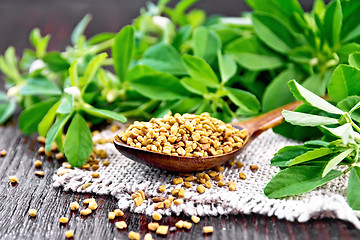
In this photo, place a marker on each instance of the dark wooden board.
(53, 203)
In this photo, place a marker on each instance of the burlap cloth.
(124, 177)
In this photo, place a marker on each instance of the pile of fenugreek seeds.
(186, 135)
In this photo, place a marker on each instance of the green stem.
(108, 62)
(347, 170)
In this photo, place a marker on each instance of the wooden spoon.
(254, 127)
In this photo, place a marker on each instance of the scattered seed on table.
(221, 183)
(219, 168)
(207, 177)
(63, 220)
(162, 230)
(37, 163)
(41, 139)
(41, 150)
(118, 213)
(32, 212)
(48, 154)
(114, 128)
(178, 180)
(200, 188)
(88, 200)
(195, 219)
(175, 192)
(134, 235)
(13, 179)
(212, 173)
(201, 180)
(158, 199)
(178, 201)
(231, 163)
(181, 193)
(208, 184)
(111, 215)
(190, 178)
(85, 166)
(239, 164)
(121, 225)
(179, 224)
(148, 237)
(187, 184)
(232, 187)
(208, 229)
(93, 205)
(95, 174)
(156, 216)
(153, 226)
(142, 194)
(85, 212)
(74, 206)
(86, 185)
(187, 225)
(218, 177)
(69, 234)
(171, 199)
(138, 201)
(39, 173)
(66, 165)
(95, 167)
(59, 156)
(136, 195)
(106, 163)
(254, 168)
(103, 154)
(159, 205)
(242, 175)
(167, 203)
(162, 188)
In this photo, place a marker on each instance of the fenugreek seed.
(180, 224)
(178, 201)
(95, 175)
(32, 212)
(219, 168)
(48, 154)
(167, 203)
(3, 153)
(187, 225)
(201, 180)
(254, 168)
(156, 216)
(59, 156)
(159, 205)
(158, 199)
(136, 195)
(200, 175)
(239, 164)
(69, 234)
(93, 133)
(74, 206)
(218, 177)
(190, 178)
(114, 128)
(171, 199)
(142, 194)
(118, 213)
(41, 139)
(111, 215)
(242, 175)
(63, 220)
(175, 192)
(86, 185)
(85, 166)
(231, 163)
(148, 237)
(221, 183)
(153, 226)
(121, 225)
(212, 174)
(88, 200)
(195, 219)
(39, 173)
(138, 201)
(85, 212)
(162, 188)
(93, 205)
(178, 180)
(106, 163)
(95, 167)
(208, 229)
(200, 188)
(37, 163)
(134, 235)
(162, 230)
(13, 179)
(187, 184)
(41, 150)
(66, 165)
(207, 177)
(232, 187)
(181, 193)
(208, 184)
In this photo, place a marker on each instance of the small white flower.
(161, 22)
(13, 91)
(37, 64)
(74, 91)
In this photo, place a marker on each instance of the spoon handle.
(256, 126)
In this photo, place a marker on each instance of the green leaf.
(194, 86)
(345, 50)
(227, 66)
(333, 20)
(80, 28)
(164, 58)
(286, 154)
(304, 119)
(273, 32)
(206, 44)
(310, 155)
(103, 113)
(345, 132)
(249, 53)
(302, 54)
(246, 101)
(78, 143)
(278, 87)
(200, 70)
(56, 62)
(316, 83)
(159, 86)
(73, 74)
(350, 29)
(139, 71)
(55, 129)
(353, 188)
(92, 69)
(122, 51)
(40, 86)
(297, 180)
(31, 116)
(354, 59)
(48, 120)
(101, 37)
(335, 161)
(348, 104)
(66, 104)
(186, 105)
(312, 99)
(7, 109)
(344, 82)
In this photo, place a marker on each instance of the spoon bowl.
(254, 127)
